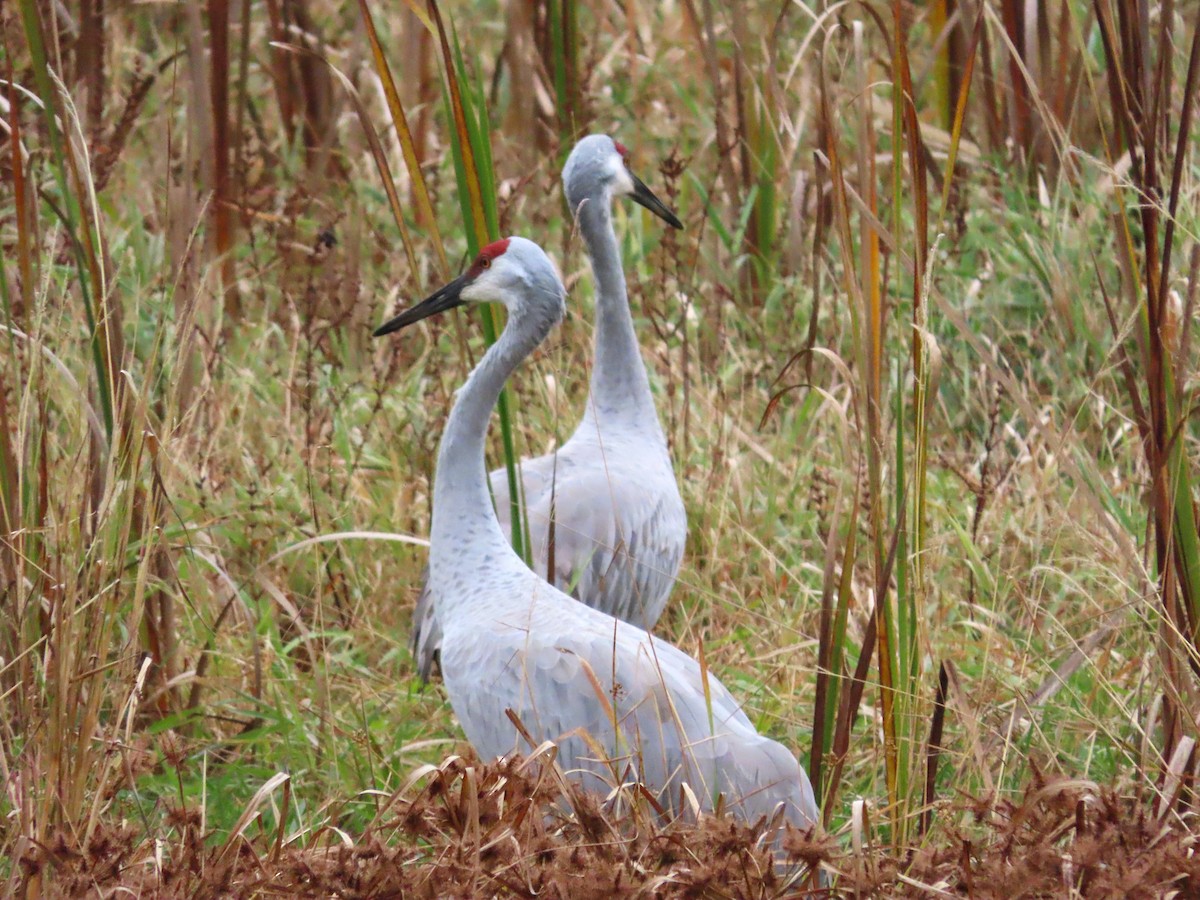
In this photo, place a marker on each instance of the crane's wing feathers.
(607, 692)
(617, 545)
(425, 642)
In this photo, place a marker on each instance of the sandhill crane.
(620, 704)
(619, 525)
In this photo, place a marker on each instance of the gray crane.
(621, 705)
(609, 493)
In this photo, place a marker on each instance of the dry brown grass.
(502, 829)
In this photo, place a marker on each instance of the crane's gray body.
(608, 496)
(514, 642)
(568, 671)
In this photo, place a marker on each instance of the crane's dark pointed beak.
(644, 196)
(439, 301)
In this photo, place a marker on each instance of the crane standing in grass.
(608, 496)
(622, 706)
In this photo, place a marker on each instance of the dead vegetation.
(507, 830)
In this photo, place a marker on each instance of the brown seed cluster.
(1063, 839)
(512, 829)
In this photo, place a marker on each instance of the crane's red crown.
(622, 149)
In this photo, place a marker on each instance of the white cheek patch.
(490, 285)
(622, 181)
(477, 289)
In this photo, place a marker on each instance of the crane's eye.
(485, 263)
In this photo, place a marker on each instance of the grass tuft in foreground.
(503, 829)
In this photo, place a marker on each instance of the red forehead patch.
(487, 255)
(495, 248)
(621, 148)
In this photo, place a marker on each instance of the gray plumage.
(619, 523)
(621, 705)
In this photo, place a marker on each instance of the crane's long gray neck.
(619, 391)
(465, 533)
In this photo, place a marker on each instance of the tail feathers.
(426, 639)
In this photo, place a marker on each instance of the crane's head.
(513, 271)
(598, 170)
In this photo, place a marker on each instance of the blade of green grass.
(960, 112)
(420, 190)
(66, 175)
(473, 170)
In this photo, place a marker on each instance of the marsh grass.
(924, 354)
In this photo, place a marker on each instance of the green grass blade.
(407, 145)
(470, 148)
(66, 175)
